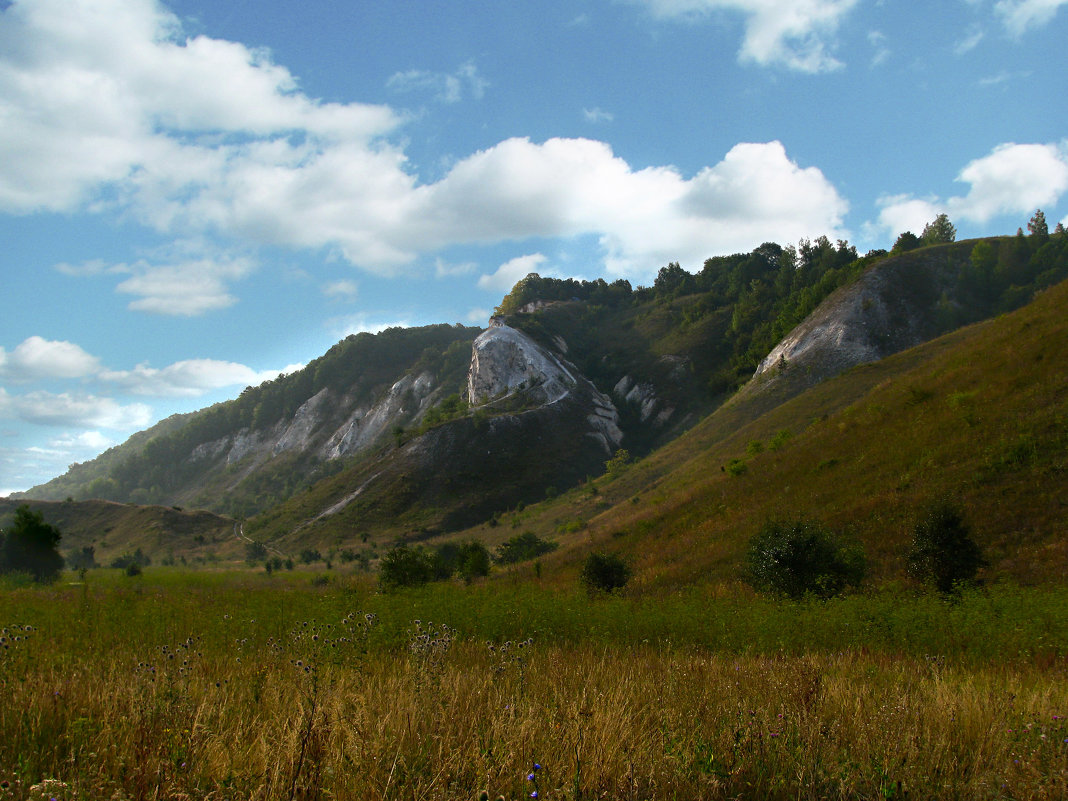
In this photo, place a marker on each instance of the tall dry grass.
(326, 709)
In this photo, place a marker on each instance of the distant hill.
(415, 434)
(114, 529)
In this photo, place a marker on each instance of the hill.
(417, 434)
(111, 530)
(977, 415)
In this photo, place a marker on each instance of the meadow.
(228, 685)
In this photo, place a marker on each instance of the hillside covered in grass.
(977, 416)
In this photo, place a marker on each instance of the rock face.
(314, 428)
(505, 360)
(891, 307)
(506, 364)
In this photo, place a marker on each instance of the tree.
(943, 551)
(1037, 226)
(907, 241)
(801, 557)
(939, 230)
(604, 572)
(30, 545)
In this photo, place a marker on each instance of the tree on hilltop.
(940, 229)
(1037, 226)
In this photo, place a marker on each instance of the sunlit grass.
(187, 686)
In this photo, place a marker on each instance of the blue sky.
(195, 195)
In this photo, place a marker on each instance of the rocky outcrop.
(505, 360)
(891, 307)
(408, 399)
(506, 363)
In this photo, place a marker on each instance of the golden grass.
(443, 718)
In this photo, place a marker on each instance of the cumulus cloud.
(189, 378)
(445, 87)
(37, 358)
(645, 218)
(900, 213)
(1011, 179)
(107, 105)
(1022, 15)
(796, 34)
(93, 92)
(511, 272)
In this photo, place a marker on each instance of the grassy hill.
(978, 415)
(113, 529)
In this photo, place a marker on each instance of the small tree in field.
(604, 572)
(943, 551)
(30, 546)
(801, 557)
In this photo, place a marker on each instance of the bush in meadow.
(604, 572)
(801, 557)
(943, 552)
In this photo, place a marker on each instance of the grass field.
(239, 685)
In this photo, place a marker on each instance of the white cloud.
(184, 289)
(107, 106)
(443, 269)
(37, 357)
(596, 115)
(84, 440)
(74, 411)
(973, 36)
(877, 39)
(360, 324)
(342, 288)
(446, 87)
(1021, 15)
(478, 315)
(791, 33)
(96, 92)
(645, 218)
(1012, 179)
(511, 272)
(900, 213)
(189, 378)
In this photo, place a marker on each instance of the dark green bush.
(402, 566)
(604, 572)
(29, 546)
(801, 557)
(943, 551)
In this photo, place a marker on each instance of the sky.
(196, 196)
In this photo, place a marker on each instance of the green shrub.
(604, 572)
(943, 551)
(801, 557)
(735, 467)
(405, 567)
